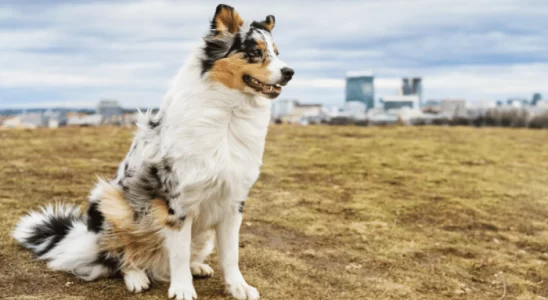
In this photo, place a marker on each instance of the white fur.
(202, 245)
(276, 64)
(215, 137)
(97, 192)
(136, 280)
(178, 245)
(75, 253)
(227, 243)
(25, 228)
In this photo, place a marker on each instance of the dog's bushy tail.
(59, 234)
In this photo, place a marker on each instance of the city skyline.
(74, 54)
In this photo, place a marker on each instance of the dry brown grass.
(338, 213)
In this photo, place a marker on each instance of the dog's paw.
(199, 270)
(136, 281)
(181, 291)
(242, 291)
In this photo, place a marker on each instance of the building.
(355, 110)
(294, 112)
(26, 120)
(412, 87)
(85, 120)
(312, 113)
(55, 119)
(399, 102)
(517, 102)
(109, 109)
(431, 106)
(282, 107)
(360, 88)
(453, 107)
(12, 122)
(291, 111)
(406, 87)
(75, 114)
(536, 98)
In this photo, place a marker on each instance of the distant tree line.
(517, 118)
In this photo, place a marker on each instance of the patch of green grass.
(338, 212)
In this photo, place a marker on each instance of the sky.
(74, 53)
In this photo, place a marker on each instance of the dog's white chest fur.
(216, 143)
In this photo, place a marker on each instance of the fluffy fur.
(183, 183)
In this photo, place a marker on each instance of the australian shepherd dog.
(182, 186)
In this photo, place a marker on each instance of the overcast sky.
(74, 53)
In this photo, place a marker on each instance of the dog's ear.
(269, 22)
(226, 19)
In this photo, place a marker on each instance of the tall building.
(406, 87)
(360, 88)
(536, 98)
(412, 87)
(417, 88)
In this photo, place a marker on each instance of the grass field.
(338, 213)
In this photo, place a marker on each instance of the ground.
(338, 213)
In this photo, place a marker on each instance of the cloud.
(130, 50)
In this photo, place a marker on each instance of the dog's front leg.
(227, 232)
(178, 244)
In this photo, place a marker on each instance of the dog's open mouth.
(268, 90)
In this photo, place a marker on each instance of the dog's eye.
(255, 53)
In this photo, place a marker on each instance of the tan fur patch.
(140, 242)
(262, 46)
(230, 71)
(115, 209)
(269, 23)
(228, 20)
(160, 213)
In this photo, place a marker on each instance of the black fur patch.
(214, 49)
(241, 207)
(236, 45)
(153, 124)
(168, 179)
(55, 227)
(108, 261)
(169, 209)
(259, 25)
(153, 170)
(248, 45)
(95, 218)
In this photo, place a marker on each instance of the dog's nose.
(287, 73)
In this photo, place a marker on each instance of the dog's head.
(243, 56)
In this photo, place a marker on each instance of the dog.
(183, 184)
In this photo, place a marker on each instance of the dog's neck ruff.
(206, 119)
